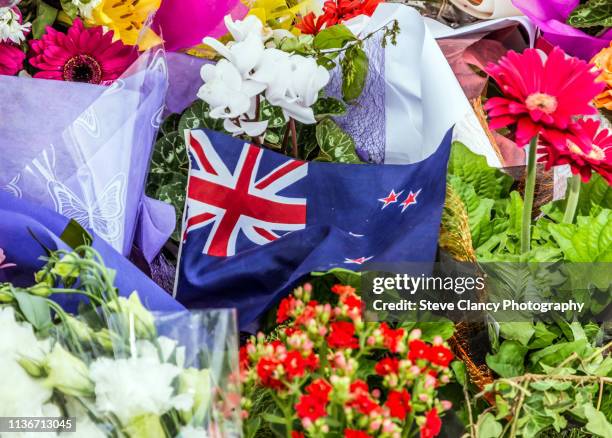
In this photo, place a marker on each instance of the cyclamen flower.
(540, 95)
(12, 28)
(586, 148)
(81, 55)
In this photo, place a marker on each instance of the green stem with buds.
(572, 199)
(529, 195)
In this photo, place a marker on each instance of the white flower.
(197, 383)
(67, 373)
(244, 55)
(18, 339)
(241, 29)
(227, 93)
(85, 7)
(297, 96)
(136, 386)
(168, 348)
(11, 28)
(20, 394)
(192, 432)
(85, 428)
(144, 322)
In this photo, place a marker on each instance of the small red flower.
(312, 362)
(386, 366)
(392, 337)
(440, 355)
(342, 290)
(398, 403)
(432, 425)
(342, 335)
(361, 399)
(265, 370)
(310, 407)
(351, 433)
(294, 364)
(352, 302)
(244, 357)
(295, 434)
(320, 389)
(285, 308)
(310, 24)
(418, 349)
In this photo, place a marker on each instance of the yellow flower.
(280, 14)
(127, 18)
(603, 61)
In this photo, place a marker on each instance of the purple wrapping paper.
(83, 150)
(551, 16)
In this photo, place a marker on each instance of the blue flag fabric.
(20, 220)
(257, 222)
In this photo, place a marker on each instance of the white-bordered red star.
(359, 261)
(410, 200)
(392, 198)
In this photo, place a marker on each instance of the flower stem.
(294, 137)
(572, 199)
(529, 194)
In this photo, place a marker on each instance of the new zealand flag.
(257, 222)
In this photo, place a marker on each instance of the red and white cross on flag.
(238, 201)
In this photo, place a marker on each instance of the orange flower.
(603, 61)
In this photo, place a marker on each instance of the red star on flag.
(359, 261)
(410, 199)
(391, 199)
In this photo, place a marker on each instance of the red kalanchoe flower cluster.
(336, 11)
(540, 95)
(319, 364)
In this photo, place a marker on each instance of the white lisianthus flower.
(86, 7)
(11, 27)
(241, 29)
(136, 386)
(67, 373)
(20, 394)
(168, 348)
(144, 322)
(18, 339)
(197, 383)
(85, 428)
(193, 432)
(297, 97)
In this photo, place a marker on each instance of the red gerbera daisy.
(540, 95)
(81, 55)
(586, 148)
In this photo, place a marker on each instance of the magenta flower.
(11, 59)
(551, 17)
(2, 259)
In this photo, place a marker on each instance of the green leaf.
(70, 8)
(517, 331)
(478, 209)
(489, 427)
(473, 169)
(328, 107)
(355, 67)
(557, 353)
(35, 310)
(590, 240)
(197, 116)
(594, 196)
(334, 37)
(508, 362)
(542, 337)
(597, 422)
(460, 372)
(273, 418)
(515, 214)
(336, 145)
(429, 330)
(45, 16)
(592, 14)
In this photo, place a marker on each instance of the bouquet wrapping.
(83, 150)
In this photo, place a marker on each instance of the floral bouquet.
(115, 369)
(326, 372)
(111, 103)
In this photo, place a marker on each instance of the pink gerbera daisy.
(11, 59)
(540, 94)
(586, 148)
(81, 55)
